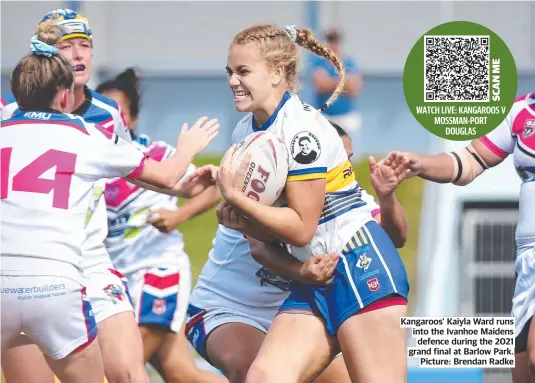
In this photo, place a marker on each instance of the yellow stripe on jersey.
(340, 177)
(307, 174)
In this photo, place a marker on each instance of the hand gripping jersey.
(49, 164)
(132, 242)
(105, 112)
(316, 151)
(516, 136)
(232, 279)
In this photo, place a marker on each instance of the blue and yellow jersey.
(316, 151)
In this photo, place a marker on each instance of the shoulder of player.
(521, 103)
(97, 98)
(245, 121)
(242, 127)
(302, 116)
(107, 104)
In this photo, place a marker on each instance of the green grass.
(200, 231)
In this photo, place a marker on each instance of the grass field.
(200, 231)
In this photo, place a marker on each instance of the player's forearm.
(252, 230)
(165, 174)
(438, 168)
(394, 220)
(199, 204)
(282, 222)
(175, 191)
(276, 259)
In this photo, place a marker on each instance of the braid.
(307, 40)
(278, 49)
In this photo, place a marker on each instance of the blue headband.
(42, 49)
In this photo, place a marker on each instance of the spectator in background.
(325, 79)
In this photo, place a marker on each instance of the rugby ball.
(266, 174)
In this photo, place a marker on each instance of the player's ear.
(277, 75)
(63, 98)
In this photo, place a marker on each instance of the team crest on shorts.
(159, 306)
(373, 284)
(364, 262)
(529, 128)
(114, 292)
(305, 148)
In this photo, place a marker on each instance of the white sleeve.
(306, 145)
(375, 209)
(501, 140)
(109, 156)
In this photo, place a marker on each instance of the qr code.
(456, 68)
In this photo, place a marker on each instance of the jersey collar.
(82, 109)
(272, 118)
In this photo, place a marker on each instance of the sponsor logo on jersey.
(38, 115)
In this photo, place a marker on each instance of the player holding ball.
(321, 211)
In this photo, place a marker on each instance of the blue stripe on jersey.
(9, 98)
(340, 203)
(299, 172)
(45, 118)
(272, 118)
(98, 115)
(104, 99)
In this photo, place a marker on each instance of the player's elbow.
(400, 240)
(302, 239)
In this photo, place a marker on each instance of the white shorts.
(160, 295)
(107, 290)
(524, 296)
(53, 312)
(202, 321)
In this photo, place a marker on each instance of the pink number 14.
(28, 178)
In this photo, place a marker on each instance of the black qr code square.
(456, 68)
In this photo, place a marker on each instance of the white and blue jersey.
(370, 267)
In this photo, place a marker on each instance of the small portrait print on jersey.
(305, 148)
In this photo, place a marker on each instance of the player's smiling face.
(249, 77)
(79, 52)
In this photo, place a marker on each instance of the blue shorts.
(368, 270)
